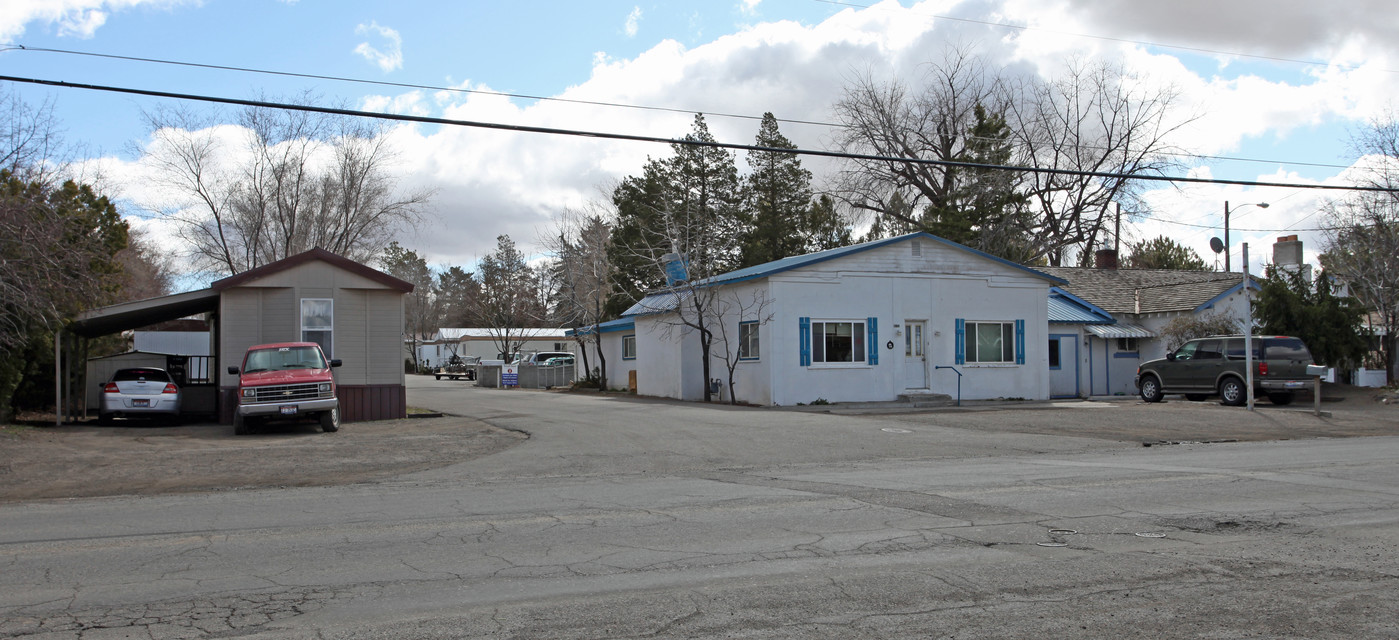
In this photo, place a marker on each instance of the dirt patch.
(47, 462)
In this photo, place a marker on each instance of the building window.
(748, 340)
(1126, 344)
(991, 342)
(629, 347)
(1054, 353)
(318, 323)
(837, 342)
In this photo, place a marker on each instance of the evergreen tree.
(689, 203)
(1330, 325)
(825, 227)
(778, 196)
(1164, 253)
(984, 209)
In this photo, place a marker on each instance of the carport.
(115, 319)
(353, 311)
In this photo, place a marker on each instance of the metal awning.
(1120, 330)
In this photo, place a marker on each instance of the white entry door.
(915, 355)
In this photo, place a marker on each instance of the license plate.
(288, 411)
(1296, 384)
(140, 402)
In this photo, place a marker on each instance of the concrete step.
(926, 399)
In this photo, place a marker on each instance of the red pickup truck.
(286, 380)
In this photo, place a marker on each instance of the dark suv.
(1215, 365)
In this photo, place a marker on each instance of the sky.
(1276, 89)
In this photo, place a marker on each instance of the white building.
(870, 322)
(1106, 321)
(485, 343)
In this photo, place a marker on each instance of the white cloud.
(391, 57)
(493, 182)
(748, 7)
(79, 18)
(633, 21)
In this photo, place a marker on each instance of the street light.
(1260, 205)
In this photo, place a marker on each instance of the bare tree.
(1094, 118)
(422, 310)
(930, 122)
(147, 271)
(31, 148)
(1361, 247)
(736, 318)
(583, 274)
(508, 302)
(279, 183)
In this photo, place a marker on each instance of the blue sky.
(740, 57)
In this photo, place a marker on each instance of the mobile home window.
(629, 347)
(837, 341)
(318, 323)
(991, 342)
(748, 340)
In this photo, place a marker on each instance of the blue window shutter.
(872, 324)
(1019, 342)
(961, 341)
(804, 334)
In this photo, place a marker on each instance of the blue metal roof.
(662, 301)
(620, 324)
(1065, 307)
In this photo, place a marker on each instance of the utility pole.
(1248, 334)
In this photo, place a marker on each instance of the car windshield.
(153, 375)
(284, 358)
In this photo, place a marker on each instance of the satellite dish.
(1217, 245)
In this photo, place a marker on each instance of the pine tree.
(778, 195)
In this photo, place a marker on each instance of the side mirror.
(233, 370)
(335, 362)
(1171, 356)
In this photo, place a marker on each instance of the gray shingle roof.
(1144, 290)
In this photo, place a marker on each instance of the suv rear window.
(1286, 349)
(154, 375)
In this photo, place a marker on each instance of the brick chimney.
(1105, 259)
(1287, 255)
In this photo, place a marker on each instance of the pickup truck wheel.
(1231, 392)
(437, 375)
(1280, 397)
(330, 420)
(240, 425)
(1151, 389)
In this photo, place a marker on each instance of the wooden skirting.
(357, 402)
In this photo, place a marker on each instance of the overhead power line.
(673, 141)
(406, 85)
(522, 96)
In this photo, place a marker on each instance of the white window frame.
(329, 330)
(629, 339)
(858, 334)
(973, 344)
(749, 341)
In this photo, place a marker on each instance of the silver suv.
(1215, 365)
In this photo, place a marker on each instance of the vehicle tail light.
(171, 388)
(1262, 368)
(111, 387)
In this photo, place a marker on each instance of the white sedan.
(139, 392)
